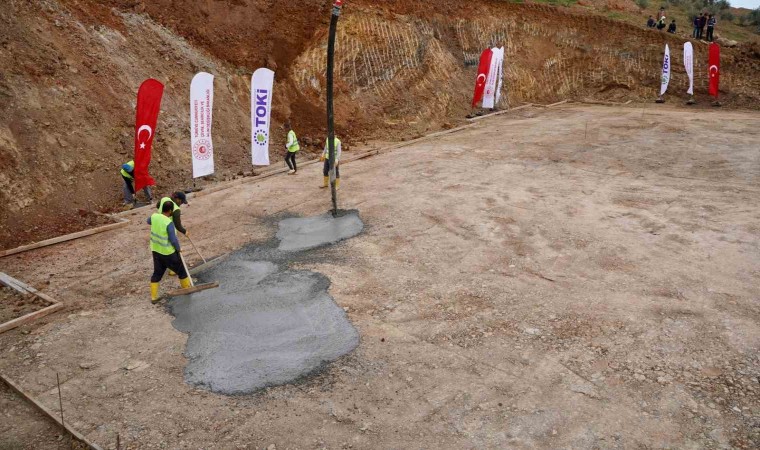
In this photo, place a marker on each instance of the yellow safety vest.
(293, 142)
(159, 236)
(125, 173)
(326, 153)
(164, 200)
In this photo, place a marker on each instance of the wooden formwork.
(24, 288)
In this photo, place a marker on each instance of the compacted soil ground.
(574, 277)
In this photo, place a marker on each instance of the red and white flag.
(201, 113)
(714, 69)
(148, 106)
(483, 69)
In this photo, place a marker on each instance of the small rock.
(271, 447)
(86, 365)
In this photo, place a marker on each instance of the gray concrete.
(265, 325)
(303, 233)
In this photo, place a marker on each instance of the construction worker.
(166, 250)
(293, 148)
(326, 158)
(128, 174)
(177, 199)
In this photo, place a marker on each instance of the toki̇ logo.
(262, 109)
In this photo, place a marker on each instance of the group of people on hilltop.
(700, 22)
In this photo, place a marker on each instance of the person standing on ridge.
(702, 23)
(166, 250)
(326, 158)
(711, 21)
(293, 147)
(128, 174)
(695, 34)
(650, 22)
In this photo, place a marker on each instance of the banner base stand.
(690, 101)
(717, 104)
(660, 100)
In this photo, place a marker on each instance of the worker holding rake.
(166, 250)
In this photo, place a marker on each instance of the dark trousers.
(290, 158)
(695, 34)
(163, 262)
(326, 169)
(701, 32)
(710, 33)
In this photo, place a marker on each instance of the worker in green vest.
(177, 199)
(128, 174)
(293, 147)
(326, 158)
(165, 248)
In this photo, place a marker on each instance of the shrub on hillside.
(643, 4)
(727, 16)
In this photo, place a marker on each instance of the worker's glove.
(187, 234)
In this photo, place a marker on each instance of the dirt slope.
(71, 69)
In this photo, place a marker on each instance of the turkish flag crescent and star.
(148, 106)
(714, 69)
(483, 68)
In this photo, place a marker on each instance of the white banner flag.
(665, 71)
(201, 109)
(688, 62)
(497, 60)
(500, 77)
(262, 84)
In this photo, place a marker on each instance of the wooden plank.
(59, 239)
(11, 324)
(557, 104)
(526, 105)
(24, 288)
(55, 417)
(192, 290)
(207, 265)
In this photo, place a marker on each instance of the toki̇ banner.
(688, 62)
(494, 72)
(714, 68)
(483, 69)
(262, 84)
(201, 112)
(148, 106)
(665, 71)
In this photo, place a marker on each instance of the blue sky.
(751, 4)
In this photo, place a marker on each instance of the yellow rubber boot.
(154, 292)
(171, 273)
(184, 282)
(327, 182)
(337, 183)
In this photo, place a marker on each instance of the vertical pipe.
(330, 115)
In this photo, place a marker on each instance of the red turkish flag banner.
(483, 69)
(148, 106)
(714, 68)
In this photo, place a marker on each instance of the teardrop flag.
(483, 69)
(688, 63)
(714, 68)
(665, 79)
(148, 106)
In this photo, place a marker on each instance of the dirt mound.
(72, 68)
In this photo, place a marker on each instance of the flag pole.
(330, 115)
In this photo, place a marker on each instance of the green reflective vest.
(159, 237)
(164, 200)
(292, 144)
(124, 173)
(336, 144)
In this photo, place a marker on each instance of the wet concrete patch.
(303, 233)
(265, 325)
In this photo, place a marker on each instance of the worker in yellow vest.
(177, 199)
(293, 147)
(165, 248)
(326, 158)
(128, 174)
